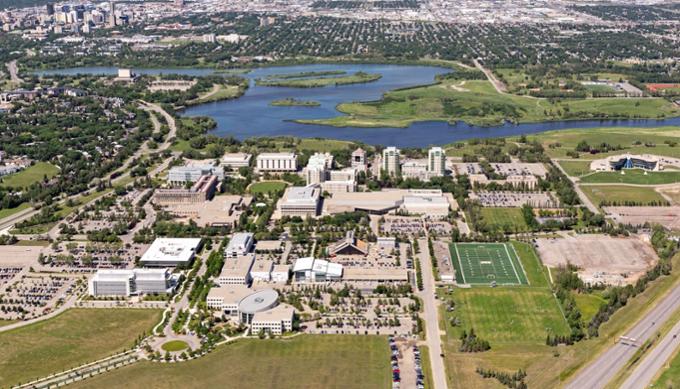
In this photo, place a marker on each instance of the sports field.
(304, 362)
(482, 263)
(506, 219)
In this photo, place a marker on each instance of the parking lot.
(515, 199)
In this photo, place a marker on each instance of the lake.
(251, 115)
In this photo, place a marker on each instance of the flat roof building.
(280, 273)
(227, 298)
(634, 161)
(277, 162)
(300, 201)
(127, 282)
(236, 271)
(431, 202)
(262, 270)
(316, 270)
(375, 275)
(275, 321)
(180, 175)
(236, 160)
(171, 252)
(240, 244)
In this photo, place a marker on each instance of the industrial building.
(240, 244)
(300, 201)
(127, 282)
(171, 252)
(277, 162)
(309, 269)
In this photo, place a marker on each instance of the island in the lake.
(291, 102)
(318, 81)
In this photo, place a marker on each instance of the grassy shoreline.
(319, 82)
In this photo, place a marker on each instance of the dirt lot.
(19, 255)
(600, 258)
(672, 193)
(669, 217)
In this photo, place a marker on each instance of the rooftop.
(258, 301)
(276, 314)
(238, 267)
(171, 250)
(232, 294)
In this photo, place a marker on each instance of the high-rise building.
(112, 14)
(436, 161)
(50, 9)
(359, 159)
(390, 161)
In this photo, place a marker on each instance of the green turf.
(30, 175)
(482, 263)
(670, 378)
(633, 176)
(533, 268)
(75, 337)
(175, 345)
(11, 211)
(506, 219)
(588, 304)
(621, 194)
(267, 187)
(304, 362)
(575, 168)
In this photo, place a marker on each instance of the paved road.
(608, 364)
(584, 199)
(654, 361)
(13, 72)
(432, 331)
(70, 302)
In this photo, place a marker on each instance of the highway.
(654, 360)
(603, 369)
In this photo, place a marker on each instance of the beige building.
(275, 321)
(390, 161)
(300, 201)
(236, 271)
(277, 162)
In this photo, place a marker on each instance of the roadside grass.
(507, 219)
(267, 187)
(575, 168)
(7, 212)
(633, 176)
(549, 367)
(175, 345)
(30, 175)
(307, 361)
(427, 366)
(671, 375)
(588, 304)
(74, 337)
(223, 92)
(621, 194)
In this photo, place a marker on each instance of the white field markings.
(521, 265)
(512, 264)
(462, 272)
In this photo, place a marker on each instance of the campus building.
(262, 270)
(127, 282)
(171, 252)
(180, 175)
(236, 271)
(302, 201)
(236, 160)
(632, 161)
(429, 202)
(277, 162)
(349, 246)
(202, 190)
(240, 244)
(359, 160)
(275, 321)
(309, 270)
(436, 161)
(390, 161)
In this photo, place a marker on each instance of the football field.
(483, 263)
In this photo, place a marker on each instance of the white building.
(359, 160)
(262, 270)
(280, 273)
(236, 271)
(124, 282)
(227, 298)
(240, 244)
(277, 162)
(316, 270)
(300, 201)
(436, 161)
(390, 161)
(171, 252)
(180, 175)
(275, 321)
(236, 160)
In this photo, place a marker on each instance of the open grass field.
(267, 186)
(175, 345)
(323, 145)
(670, 378)
(304, 362)
(477, 102)
(483, 263)
(588, 304)
(11, 211)
(72, 338)
(575, 168)
(30, 175)
(318, 82)
(506, 219)
(621, 194)
(546, 367)
(633, 176)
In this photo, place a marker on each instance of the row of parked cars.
(420, 377)
(396, 373)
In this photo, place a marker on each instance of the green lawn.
(75, 337)
(483, 263)
(175, 345)
(506, 219)
(575, 168)
(30, 175)
(11, 211)
(670, 378)
(533, 268)
(588, 304)
(267, 186)
(308, 361)
(317, 82)
(478, 103)
(621, 194)
(633, 176)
